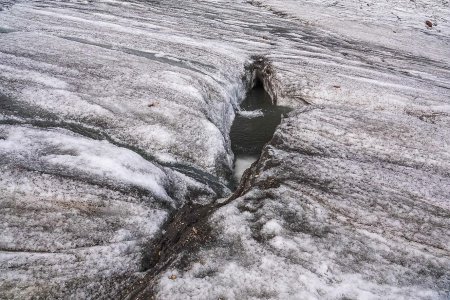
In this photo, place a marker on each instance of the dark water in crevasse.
(253, 126)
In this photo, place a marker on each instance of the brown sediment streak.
(188, 228)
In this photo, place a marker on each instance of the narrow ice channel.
(253, 126)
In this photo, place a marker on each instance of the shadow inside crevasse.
(253, 126)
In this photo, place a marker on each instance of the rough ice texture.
(142, 84)
(368, 221)
(66, 238)
(114, 114)
(77, 212)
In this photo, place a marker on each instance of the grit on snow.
(115, 114)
